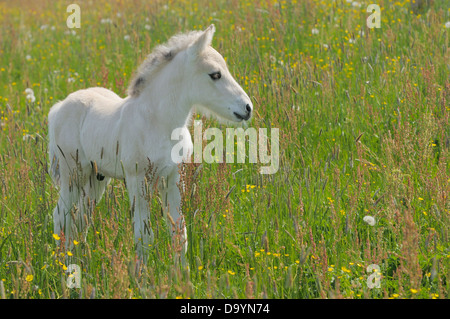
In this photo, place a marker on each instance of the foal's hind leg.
(65, 210)
(75, 201)
(61, 214)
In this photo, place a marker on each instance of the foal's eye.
(215, 75)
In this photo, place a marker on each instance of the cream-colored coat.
(96, 135)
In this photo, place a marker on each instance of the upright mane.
(160, 55)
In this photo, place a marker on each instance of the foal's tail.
(53, 146)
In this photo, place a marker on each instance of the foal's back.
(78, 103)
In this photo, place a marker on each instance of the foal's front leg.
(143, 234)
(171, 199)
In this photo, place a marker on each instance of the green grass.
(364, 130)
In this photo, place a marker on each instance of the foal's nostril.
(248, 108)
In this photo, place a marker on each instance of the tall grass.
(364, 131)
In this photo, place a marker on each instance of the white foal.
(95, 135)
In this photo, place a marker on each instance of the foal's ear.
(202, 41)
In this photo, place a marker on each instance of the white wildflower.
(315, 31)
(26, 137)
(369, 220)
(30, 95)
(31, 98)
(447, 24)
(106, 21)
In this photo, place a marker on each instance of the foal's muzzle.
(246, 116)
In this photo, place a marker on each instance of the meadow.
(363, 117)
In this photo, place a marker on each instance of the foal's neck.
(164, 104)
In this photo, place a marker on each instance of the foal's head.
(200, 73)
(213, 87)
